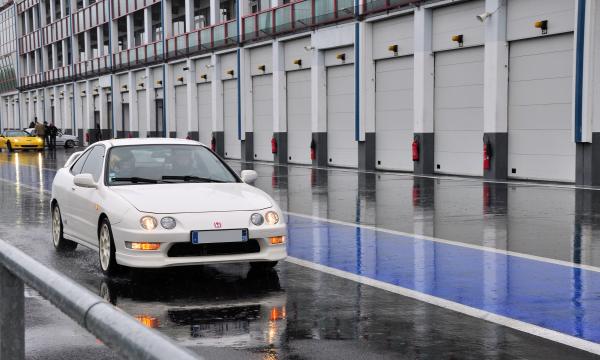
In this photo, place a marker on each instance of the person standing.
(40, 131)
(52, 132)
(98, 133)
(47, 133)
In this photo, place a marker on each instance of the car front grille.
(232, 248)
(28, 146)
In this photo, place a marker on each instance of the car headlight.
(272, 217)
(168, 223)
(148, 222)
(257, 219)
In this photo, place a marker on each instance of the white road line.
(528, 328)
(455, 243)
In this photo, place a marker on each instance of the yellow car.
(20, 140)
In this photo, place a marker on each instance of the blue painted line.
(561, 298)
(579, 56)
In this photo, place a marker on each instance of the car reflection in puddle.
(205, 306)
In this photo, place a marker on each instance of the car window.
(93, 163)
(76, 168)
(17, 133)
(165, 163)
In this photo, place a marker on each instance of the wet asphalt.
(292, 312)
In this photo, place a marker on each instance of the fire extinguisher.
(415, 149)
(313, 150)
(188, 137)
(487, 154)
(87, 137)
(129, 135)
(273, 145)
(213, 144)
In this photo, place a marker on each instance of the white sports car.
(150, 203)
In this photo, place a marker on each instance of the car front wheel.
(106, 249)
(263, 265)
(60, 243)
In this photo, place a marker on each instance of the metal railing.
(120, 332)
(206, 38)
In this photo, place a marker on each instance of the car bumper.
(27, 146)
(169, 238)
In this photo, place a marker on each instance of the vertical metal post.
(12, 317)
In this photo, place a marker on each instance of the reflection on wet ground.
(294, 312)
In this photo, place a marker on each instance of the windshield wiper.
(190, 178)
(135, 179)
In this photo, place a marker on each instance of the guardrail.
(117, 330)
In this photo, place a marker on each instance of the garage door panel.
(299, 116)
(230, 123)
(549, 91)
(540, 142)
(262, 109)
(459, 97)
(538, 117)
(536, 167)
(458, 112)
(394, 113)
(204, 93)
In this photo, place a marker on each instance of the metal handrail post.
(12, 316)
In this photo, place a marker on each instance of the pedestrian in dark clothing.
(98, 133)
(52, 132)
(32, 125)
(47, 133)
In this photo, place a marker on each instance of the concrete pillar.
(148, 24)
(423, 90)
(133, 107)
(279, 103)
(54, 64)
(245, 101)
(189, 15)
(191, 94)
(217, 105)
(100, 37)
(363, 52)
(167, 18)
(87, 41)
(215, 14)
(588, 145)
(88, 119)
(130, 36)
(150, 100)
(169, 96)
(319, 107)
(495, 90)
(52, 11)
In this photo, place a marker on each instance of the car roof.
(148, 141)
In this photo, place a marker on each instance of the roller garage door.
(262, 116)
(458, 112)
(342, 149)
(394, 113)
(298, 116)
(233, 148)
(204, 102)
(540, 144)
(181, 111)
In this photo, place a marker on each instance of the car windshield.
(16, 133)
(154, 164)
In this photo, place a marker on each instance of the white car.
(68, 141)
(151, 203)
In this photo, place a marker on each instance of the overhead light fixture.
(230, 72)
(298, 62)
(393, 48)
(341, 56)
(309, 48)
(542, 25)
(262, 68)
(484, 16)
(458, 39)
(203, 77)
(180, 78)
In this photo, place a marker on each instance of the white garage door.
(204, 102)
(181, 111)
(262, 116)
(142, 116)
(233, 148)
(394, 113)
(298, 116)
(342, 148)
(458, 113)
(540, 144)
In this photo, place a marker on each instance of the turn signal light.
(277, 240)
(143, 246)
(148, 321)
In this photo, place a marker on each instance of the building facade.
(493, 88)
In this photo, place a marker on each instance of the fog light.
(277, 240)
(143, 246)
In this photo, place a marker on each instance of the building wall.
(207, 86)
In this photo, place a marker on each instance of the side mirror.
(85, 180)
(249, 176)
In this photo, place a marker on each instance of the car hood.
(193, 197)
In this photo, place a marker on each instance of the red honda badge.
(217, 225)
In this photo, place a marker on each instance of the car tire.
(58, 240)
(69, 144)
(263, 265)
(9, 147)
(106, 249)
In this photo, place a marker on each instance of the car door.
(66, 201)
(84, 200)
(2, 140)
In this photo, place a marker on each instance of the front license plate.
(219, 236)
